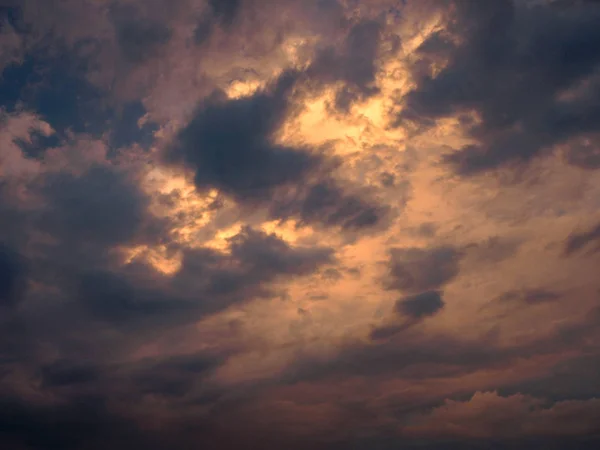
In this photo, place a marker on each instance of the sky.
(303, 225)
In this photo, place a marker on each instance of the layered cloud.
(327, 224)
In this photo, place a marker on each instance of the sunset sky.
(286, 224)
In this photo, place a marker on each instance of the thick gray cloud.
(98, 350)
(415, 270)
(11, 275)
(255, 259)
(420, 305)
(101, 206)
(353, 64)
(328, 204)
(229, 143)
(578, 241)
(512, 65)
(529, 297)
(138, 38)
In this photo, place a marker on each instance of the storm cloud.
(528, 72)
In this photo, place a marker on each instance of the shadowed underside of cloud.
(229, 145)
(528, 72)
(420, 305)
(354, 64)
(11, 274)
(419, 273)
(577, 241)
(416, 270)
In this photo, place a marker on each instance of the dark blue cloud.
(126, 129)
(220, 12)
(12, 271)
(416, 270)
(512, 64)
(230, 145)
(56, 88)
(138, 38)
(421, 305)
(101, 206)
(52, 81)
(354, 64)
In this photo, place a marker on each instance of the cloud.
(487, 414)
(420, 305)
(177, 377)
(226, 11)
(112, 298)
(577, 241)
(529, 297)
(514, 65)
(11, 44)
(64, 373)
(327, 203)
(101, 206)
(255, 259)
(138, 38)
(55, 87)
(571, 379)
(11, 275)
(229, 143)
(69, 426)
(354, 64)
(416, 270)
(201, 239)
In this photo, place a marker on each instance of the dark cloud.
(56, 88)
(410, 311)
(255, 259)
(220, 12)
(494, 249)
(12, 272)
(571, 379)
(99, 351)
(529, 297)
(86, 423)
(387, 179)
(225, 10)
(101, 206)
(64, 373)
(329, 204)
(129, 126)
(138, 38)
(512, 66)
(139, 298)
(403, 351)
(387, 331)
(420, 305)
(404, 356)
(113, 298)
(37, 144)
(177, 376)
(416, 270)
(54, 85)
(577, 241)
(229, 144)
(267, 255)
(354, 64)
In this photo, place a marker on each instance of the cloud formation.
(324, 225)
